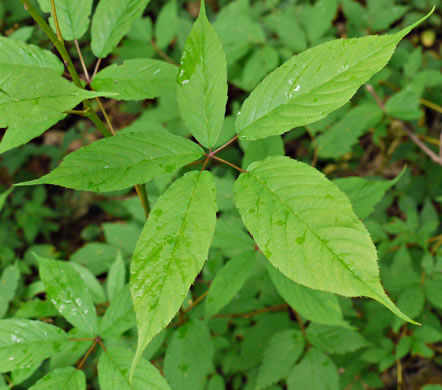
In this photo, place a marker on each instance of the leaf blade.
(315, 241)
(202, 82)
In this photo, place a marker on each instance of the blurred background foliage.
(252, 338)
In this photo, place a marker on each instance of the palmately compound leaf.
(113, 368)
(65, 378)
(67, 291)
(137, 79)
(72, 15)
(26, 343)
(307, 229)
(14, 52)
(32, 100)
(119, 162)
(170, 252)
(111, 22)
(314, 83)
(202, 82)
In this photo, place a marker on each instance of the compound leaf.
(122, 161)
(170, 252)
(26, 343)
(137, 79)
(33, 99)
(314, 83)
(113, 368)
(307, 229)
(111, 22)
(72, 15)
(202, 82)
(65, 378)
(14, 52)
(67, 291)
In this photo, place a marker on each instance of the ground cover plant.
(225, 195)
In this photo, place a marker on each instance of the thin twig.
(163, 54)
(229, 164)
(83, 64)
(280, 307)
(97, 66)
(301, 326)
(106, 117)
(57, 25)
(196, 301)
(225, 145)
(101, 344)
(437, 159)
(80, 365)
(205, 163)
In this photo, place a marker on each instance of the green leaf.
(307, 229)
(170, 252)
(335, 339)
(93, 285)
(72, 15)
(111, 22)
(68, 292)
(314, 305)
(137, 79)
(315, 372)
(280, 355)
(122, 161)
(340, 138)
(317, 19)
(189, 356)
(314, 83)
(262, 148)
(113, 368)
(32, 100)
(95, 256)
(13, 52)
(25, 343)
(119, 317)
(228, 281)
(8, 284)
(66, 378)
(202, 82)
(166, 25)
(3, 196)
(116, 278)
(363, 193)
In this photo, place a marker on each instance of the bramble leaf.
(111, 22)
(72, 15)
(122, 161)
(113, 367)
(137, 79)
(65, 378)
(26, 343)
(202, 82)
(170, 252)
(307, 229)
(314, 83)
(69, 294)
(32, 100)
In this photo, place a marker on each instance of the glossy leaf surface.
(25, 343)
(137, 79)
(122, 161)
(69, 294)
(111, 22)
(202, 82)
(73, 16)
(307, 229)
(113, 368)
(171, 251)
(66, 378)
(32, 100)
(314, 83)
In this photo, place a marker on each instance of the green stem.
(68, 62)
